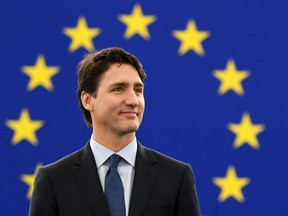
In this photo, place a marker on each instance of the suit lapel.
(145, 177)
(86, 177)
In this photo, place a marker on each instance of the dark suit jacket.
(71, 187)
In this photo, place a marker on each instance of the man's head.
(92, 69)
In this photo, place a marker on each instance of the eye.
(138, 90)
(117, 89)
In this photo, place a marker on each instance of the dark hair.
(91, 68)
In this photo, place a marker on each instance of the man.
(145, 182)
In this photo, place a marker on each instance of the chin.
(130, 128)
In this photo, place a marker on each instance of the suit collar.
(102, 153)
(86, 177)
(145, 177)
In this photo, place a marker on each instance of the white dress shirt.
(126, 167)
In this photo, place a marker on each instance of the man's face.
(119, 103)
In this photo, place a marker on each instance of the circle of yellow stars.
(40, 74)
(24, 128)
(81, 35)
(231, 78)
(29, 180)
(191, 39)
(246, 132)
(137, 23)
(231, 185)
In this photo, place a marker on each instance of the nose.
(131, 99)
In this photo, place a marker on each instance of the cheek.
(142, 104)
(105, 103)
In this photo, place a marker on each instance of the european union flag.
(216, 92)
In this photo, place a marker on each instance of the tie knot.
(114, 160)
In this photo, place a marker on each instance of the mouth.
(129, 114)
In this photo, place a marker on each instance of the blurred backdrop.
(216, 92)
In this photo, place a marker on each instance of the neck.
(112, 141)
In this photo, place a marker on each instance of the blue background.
(185, 117)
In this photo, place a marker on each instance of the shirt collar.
(101, 153)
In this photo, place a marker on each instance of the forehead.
(120, 73)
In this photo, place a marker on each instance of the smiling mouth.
(129, 114)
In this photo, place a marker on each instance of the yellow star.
(231, 185)
(81, 35)
(29, 180)
(40, 74)
(191, 39)
(231, 78)
(137, 23)
(24, 128)
(246, 132)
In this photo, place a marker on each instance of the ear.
(86, 99)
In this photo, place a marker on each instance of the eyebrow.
(138, 84)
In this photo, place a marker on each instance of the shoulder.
(69, 162)
(170, 169)
(163, 161)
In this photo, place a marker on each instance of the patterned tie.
(114, 191)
